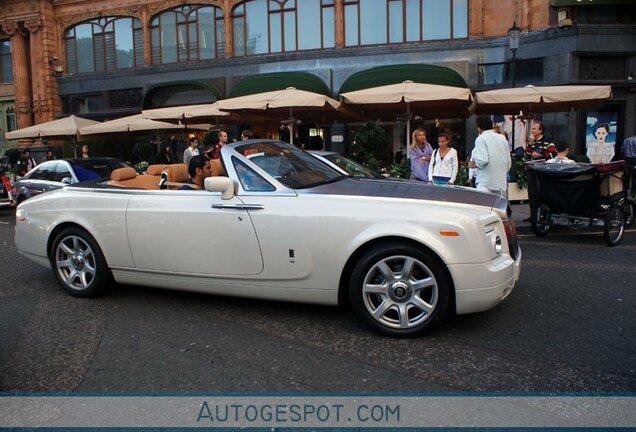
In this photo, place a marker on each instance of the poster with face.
(600, 136)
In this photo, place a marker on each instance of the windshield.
(292, 167)
(352, 167)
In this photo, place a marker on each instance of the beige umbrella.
(438, 99)
(132, 123)
(281, 102)
(541, 99)
(185, 112)
(67, 126)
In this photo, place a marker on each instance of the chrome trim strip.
(239, 206)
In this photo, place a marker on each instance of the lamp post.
(514, 33)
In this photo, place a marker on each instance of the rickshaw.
(579, 192)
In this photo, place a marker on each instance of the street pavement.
(567, 327)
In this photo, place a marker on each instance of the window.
(527, 71)
(6, 70)
(271, 26)
(374, 22)
(188, 33)
(46, 172)
(10, 119)
(104, 44)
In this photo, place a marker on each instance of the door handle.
(239, 206)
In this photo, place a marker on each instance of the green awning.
(395, 74)
(558, 3)
(279, 81)
(202, 84)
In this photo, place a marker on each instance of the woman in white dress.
(444, 165)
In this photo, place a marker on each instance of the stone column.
(39, 72)
(21, 74)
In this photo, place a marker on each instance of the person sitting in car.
(199, 169)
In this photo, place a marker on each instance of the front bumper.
(479, 287)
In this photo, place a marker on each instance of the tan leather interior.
(177, 173)
(217, 168)
(127, 177)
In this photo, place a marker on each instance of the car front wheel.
(78, 263)
(399, 290)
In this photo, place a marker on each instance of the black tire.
(78, 263)
(402, 307)
(614, 225)
(541, 220)
(630, 213)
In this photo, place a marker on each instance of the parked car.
(55, 174)
(277, 223)
(346, 164)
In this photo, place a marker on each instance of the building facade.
(103, 59)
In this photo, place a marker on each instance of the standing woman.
(85, 151)
(420, 152)
(443, 168)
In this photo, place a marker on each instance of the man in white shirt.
(492, 157)
(192, 150)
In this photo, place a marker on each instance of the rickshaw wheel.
(614, 226)
(541, 220)
(630, 213)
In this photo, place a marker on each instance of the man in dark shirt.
(214, 151)
(539, 147)
(199, 169)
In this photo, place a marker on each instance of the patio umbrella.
(541, 99)
(185, 112)
(67, 126)
(132, 123)
(285, 102)
(438, 99)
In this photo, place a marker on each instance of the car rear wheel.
(78, 263)
(399, 290)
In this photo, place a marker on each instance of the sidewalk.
(520, 212)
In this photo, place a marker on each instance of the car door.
(40, 180)
(192, 232)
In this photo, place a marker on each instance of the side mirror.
(67, 180)
(225, 185)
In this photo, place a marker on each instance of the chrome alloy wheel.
(75, 263)
(400, 292)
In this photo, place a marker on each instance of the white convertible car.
(276, 223)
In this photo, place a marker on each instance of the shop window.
(527, 71)
(104, 44)
(186, 34)
(374, 22)
(270, 26)
(6, 70)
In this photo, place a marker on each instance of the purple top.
(419, 167)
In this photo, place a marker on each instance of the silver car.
(56, 174)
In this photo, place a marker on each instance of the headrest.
(155, 169)
(217, 168)
(125, 173)
(177, 172)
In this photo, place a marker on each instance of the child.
(562, 157)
